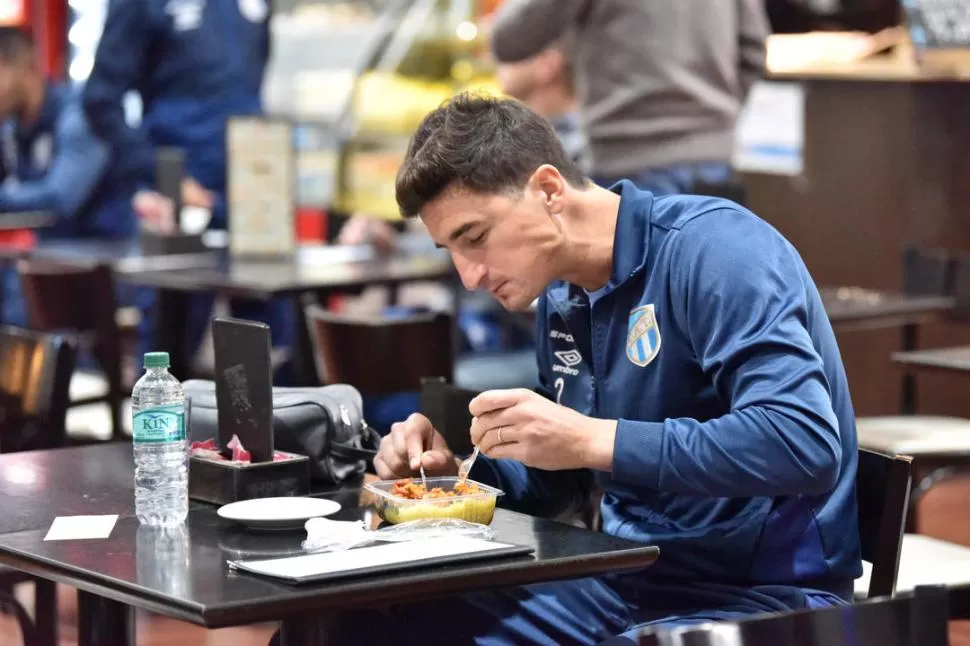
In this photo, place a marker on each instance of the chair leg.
(117, 431)
(45, 612)
(9, 605)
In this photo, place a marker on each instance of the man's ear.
(550, 185)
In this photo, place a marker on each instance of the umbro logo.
(569, 357)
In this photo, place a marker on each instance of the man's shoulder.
(678, 212)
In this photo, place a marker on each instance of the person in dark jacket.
(686, 366)
(52, 162)
(195, 64)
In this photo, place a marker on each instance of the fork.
(466, 466)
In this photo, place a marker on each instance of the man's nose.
(472, 274)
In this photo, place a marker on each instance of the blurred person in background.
(660, 84)
(195, 64)
(545, 84)
(53, 162)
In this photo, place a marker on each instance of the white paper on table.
(770, 135)
(379, 558)
(65, 528)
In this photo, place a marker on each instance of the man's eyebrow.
(457, 233)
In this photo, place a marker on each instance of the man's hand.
(522, 425)
(411, 444)
(362, 229)
(155, 211)
(193, 194)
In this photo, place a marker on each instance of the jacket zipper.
(589, 362)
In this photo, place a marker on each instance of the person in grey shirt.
(660, 83)
(545, 83)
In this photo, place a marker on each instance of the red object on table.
(311, 224)
(18, 239)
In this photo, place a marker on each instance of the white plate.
(278, 513)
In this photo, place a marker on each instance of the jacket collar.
(630, 241)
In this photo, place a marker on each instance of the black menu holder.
(446, 407)
(169, 171)
(244, 397)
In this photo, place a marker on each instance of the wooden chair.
(918, 618)
(939, 555)
(934, 440)
(35, 373)
(81, 299)
(379, 355)
(882, 495)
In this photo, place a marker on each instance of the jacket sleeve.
(523, 28)
(534, 491)
(753, 35)
(79, 163)
(740, 300)
(119, 65)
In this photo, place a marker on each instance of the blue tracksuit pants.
(578, 611)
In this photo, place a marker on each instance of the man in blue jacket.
(687, 367)
(52, 161)
(195, 64)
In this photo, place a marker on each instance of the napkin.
(333, 535)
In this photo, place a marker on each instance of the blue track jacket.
(736, 445)
(57, 164)
(195, 63)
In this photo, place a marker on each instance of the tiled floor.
(944, 513)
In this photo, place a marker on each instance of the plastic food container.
(475, 508)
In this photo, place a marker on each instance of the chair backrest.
(35, 374)
(918, 618)
(882, 493)
(380, 355)
(63, 296)
(960, 286)
(81, 299)
(926, 272)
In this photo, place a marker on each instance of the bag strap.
(351, 452)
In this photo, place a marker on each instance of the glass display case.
(358, 77)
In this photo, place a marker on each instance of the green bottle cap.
(156, 360)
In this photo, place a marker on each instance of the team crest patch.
(643, 336)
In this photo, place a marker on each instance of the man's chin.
(517, 303)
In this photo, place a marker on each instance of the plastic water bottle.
(158, 436)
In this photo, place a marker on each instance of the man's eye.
(477, 240)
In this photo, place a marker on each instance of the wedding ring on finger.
(500, 441)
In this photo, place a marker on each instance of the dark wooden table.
(184, 575)
(851, 308)
(16, 220)
(953, 359)
(314, 272)
(854, 308)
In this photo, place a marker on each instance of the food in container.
(398, 501)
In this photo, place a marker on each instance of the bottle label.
(159, 424)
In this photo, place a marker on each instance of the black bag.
(325, 424)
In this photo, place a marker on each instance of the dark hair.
(482, 144)
(14, 44)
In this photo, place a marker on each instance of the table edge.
(360, 594)
(48, 569)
